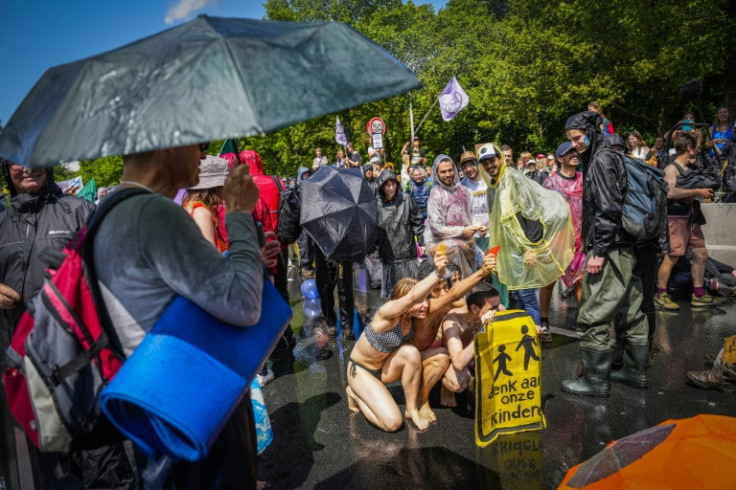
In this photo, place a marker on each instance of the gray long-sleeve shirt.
(148, 250)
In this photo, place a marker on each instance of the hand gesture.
(489, 264)
(488, 317)
(440, 263)
(469, 231)
(595, 264)
(241, 193)
(9, 298)
(271, 250)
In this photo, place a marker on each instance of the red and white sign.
(376, 125)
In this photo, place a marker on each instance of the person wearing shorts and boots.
(684, 218)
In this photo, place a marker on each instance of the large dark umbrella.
(211, 78)
(338, 210)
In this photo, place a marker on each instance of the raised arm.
(461, 288)
(395, 308)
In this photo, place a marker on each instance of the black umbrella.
(211, 78)
(339, 211)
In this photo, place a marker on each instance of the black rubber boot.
(594, 379)
(634, 372)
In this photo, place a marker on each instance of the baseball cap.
(486, 151)
(563, 148)
(550, 156)
(541, 155)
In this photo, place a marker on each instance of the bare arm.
(670, 176)
(203, 218)
(460, 356)
(394, 309)
(461, 288)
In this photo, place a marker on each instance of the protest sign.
(508, 377)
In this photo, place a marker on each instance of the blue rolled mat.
(177, 390)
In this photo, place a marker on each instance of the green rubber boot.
(594, 379)
(634, 370)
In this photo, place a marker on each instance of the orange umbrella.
(698, 452)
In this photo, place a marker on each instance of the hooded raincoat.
(592, 124)
(532, 226)
(399, 221)
(449, 212)
(32, 224)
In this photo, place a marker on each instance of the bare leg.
(579, 291)
(373, 399)
(434, 364)
(454, 382)
(700, 255)
(545, 298)
(406, 363)
(448, 397)
(665, 269)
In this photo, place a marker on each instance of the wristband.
(438, 274)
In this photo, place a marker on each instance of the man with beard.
(532, 227)
(450, 217)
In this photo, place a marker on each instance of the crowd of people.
(441, 276)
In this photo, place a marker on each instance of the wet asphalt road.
(318, 443)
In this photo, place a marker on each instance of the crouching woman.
(382, 355)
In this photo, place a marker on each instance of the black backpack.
(644, 213)
(289, 229)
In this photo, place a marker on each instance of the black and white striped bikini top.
(389, 341)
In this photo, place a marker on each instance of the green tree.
(106, 171)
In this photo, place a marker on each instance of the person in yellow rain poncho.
(533, 228)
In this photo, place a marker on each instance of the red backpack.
(64, 350)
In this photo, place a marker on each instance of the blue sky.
(36, 34)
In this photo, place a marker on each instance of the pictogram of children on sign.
(502, 359)
(528, 342)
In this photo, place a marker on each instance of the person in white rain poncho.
(450, 217)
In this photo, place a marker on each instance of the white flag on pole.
(452, 99)
(340, 133)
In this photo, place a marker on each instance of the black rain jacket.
(399, 222)
(32, 223)
(603, 199)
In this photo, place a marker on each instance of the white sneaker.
(264, 379)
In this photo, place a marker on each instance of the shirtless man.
(458, 332)
(434, 357)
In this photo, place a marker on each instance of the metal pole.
(427, 114)
(411, 121)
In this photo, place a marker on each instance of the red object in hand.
(494, 251)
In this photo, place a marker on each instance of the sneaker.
(705, 300)
(664, 302)
(331, 331)
(545, 336)
(264, 379)
(348, 334)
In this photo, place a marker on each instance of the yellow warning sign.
(508, 394)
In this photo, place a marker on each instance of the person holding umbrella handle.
(383, 355)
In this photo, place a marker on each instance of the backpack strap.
(93, 223)
(278, 183)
